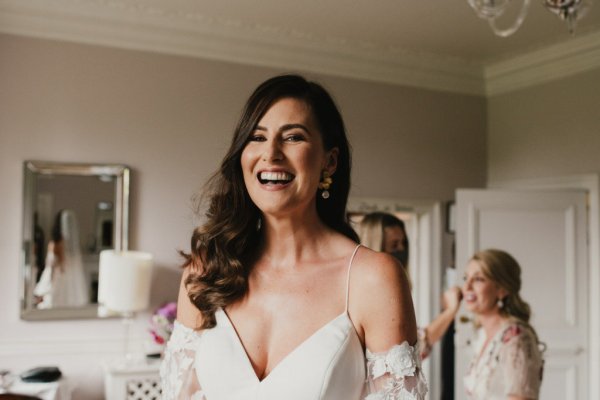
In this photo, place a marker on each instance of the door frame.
(591, 184)
(428, 281)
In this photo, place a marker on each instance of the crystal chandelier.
(568, 10)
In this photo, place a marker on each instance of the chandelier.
(569, 11)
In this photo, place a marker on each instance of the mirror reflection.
(71, 213)
(63, 281)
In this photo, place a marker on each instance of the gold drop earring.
(325, 184)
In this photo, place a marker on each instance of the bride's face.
(284, 158)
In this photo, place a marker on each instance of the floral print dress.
(510, 364)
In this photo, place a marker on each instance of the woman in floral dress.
(507, 361)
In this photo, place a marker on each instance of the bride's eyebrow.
(285, 127)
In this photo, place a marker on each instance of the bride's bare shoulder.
(380, 300)
(376, 269)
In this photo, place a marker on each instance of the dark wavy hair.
(56, 233)
(226, 245)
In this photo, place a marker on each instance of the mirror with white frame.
(70, 213)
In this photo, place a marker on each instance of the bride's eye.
(256, 138)
(295, 137)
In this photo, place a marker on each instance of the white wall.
(546, 130)
(170, 119)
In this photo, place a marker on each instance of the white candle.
(124, 280)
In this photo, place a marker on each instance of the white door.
(546, 231)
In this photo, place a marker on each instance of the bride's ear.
(332, 160)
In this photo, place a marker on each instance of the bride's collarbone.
(269, 318)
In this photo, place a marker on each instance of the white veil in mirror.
(63, 282)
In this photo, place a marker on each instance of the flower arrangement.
(161, 323)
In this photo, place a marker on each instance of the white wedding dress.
(330, 365)
(64, 284)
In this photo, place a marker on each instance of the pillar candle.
(124, 280)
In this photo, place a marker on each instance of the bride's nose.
(466, 284)
(272, 151)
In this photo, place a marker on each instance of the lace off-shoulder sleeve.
(177, 372)
(395, 374)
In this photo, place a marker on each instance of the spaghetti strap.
(348, 276)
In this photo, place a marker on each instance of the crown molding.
(137, 25)
(578, 54)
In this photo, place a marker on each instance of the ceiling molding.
(101, 22)
(132, 24)
(579, 54)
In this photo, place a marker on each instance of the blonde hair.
(371, 232)
(501, 268)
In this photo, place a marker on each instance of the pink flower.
(161, 322)
(511, 332)
(157, 339)
(169, 311)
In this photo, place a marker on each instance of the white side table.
(132, 381)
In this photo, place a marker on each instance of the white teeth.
(275, 176)
(470, 297)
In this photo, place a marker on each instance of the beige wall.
(170, 119)
(546, 131)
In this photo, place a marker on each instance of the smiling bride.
(277, 299)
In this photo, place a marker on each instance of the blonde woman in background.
(507, 361)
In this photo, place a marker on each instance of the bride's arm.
(382, 308)
(177, 371)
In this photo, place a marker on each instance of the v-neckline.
(241, 347)
(486, 348)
